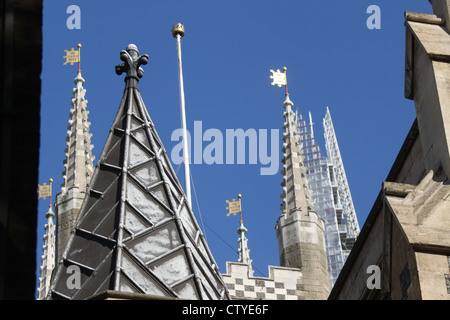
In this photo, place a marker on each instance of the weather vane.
(45, 191)
(279, 78)
(234, 207)
(73, 56)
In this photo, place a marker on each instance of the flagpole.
(240, 207)
(285, 75)
(79, 58)
(50, 180)
(178, 33)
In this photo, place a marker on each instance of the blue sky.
(333, 60)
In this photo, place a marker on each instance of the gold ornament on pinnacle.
(178, 28)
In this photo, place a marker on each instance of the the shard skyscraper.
(330, 192)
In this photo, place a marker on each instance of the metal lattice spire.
(326, 203)
(136, 234)
(334, 154)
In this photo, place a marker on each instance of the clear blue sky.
(333, 60)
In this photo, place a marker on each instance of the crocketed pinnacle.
(78, 163)
(296, 193)
(48, 256)
(244, 251)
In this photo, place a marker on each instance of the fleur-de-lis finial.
(132, 65)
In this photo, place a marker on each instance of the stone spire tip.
(288, 101)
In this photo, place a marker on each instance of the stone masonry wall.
(282, 284)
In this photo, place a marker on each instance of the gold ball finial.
(51, 180)
(79, 45)
(284, 69)
(178, 28)
(239, 196)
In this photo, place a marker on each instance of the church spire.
(79, 159)
(235, 207)
(296, 193)
(244, 251)
(299, 229)
(136, 237)
(78, 162)
(48, 250)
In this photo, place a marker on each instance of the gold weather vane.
(234, 206)
(279, 78)
(45, 191)
(73, 56)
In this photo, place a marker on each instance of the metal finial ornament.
(132, 65)
(178, 28)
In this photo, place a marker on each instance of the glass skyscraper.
(330, 192)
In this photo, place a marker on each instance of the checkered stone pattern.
(281, 285)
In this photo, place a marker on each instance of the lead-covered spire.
(136, 235)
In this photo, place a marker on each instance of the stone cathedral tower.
(302, 274)
(300, 230)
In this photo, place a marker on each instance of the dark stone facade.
(21, 55)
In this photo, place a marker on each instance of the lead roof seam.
(123, 185)
(142, 109)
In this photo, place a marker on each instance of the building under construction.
(330, 192)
